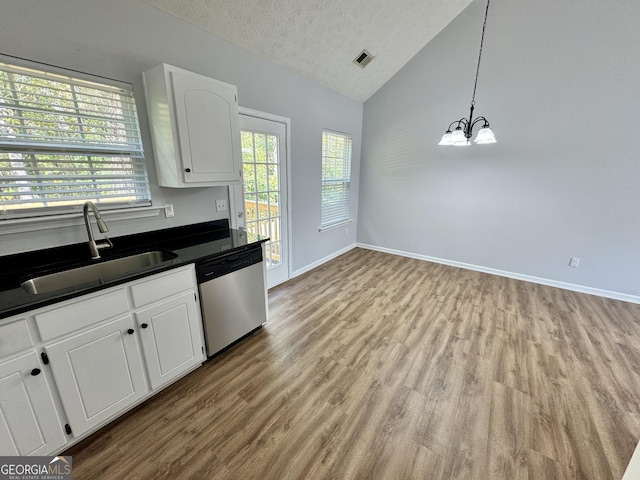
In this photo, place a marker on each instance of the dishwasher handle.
(229, 259)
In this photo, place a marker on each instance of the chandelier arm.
(461, 122)
(486, 122)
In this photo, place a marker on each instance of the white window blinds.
(336, 178)
(64, 141)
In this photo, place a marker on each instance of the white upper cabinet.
(194, 128)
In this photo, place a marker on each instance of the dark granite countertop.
(191, 243)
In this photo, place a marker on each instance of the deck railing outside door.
(264, 220)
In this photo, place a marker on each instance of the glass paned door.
(264, 184)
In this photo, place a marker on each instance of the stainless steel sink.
(95, 271)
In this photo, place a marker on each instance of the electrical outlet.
(574, 262)
(221, 205)
(168, 211)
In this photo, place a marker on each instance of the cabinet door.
(29, 424)
(208, 128)
(98, 373)
(171, 338)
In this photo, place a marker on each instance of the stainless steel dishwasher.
(232, 297)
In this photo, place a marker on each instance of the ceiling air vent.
(363, 59)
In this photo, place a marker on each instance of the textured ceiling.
(320, 38)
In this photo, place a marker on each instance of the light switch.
(168, 211)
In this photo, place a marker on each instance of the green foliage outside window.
(260, 172)
(64, 141)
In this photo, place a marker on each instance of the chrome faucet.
(93, 246)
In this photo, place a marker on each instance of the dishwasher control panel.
(224, 264)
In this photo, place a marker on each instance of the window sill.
(335, 225)
(21, 225)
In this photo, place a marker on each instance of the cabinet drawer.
(14, 337)
(161, 286)
(82, 313)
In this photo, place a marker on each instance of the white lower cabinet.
(98, 373)
(107, 351)
(170, 337)
(29, 424)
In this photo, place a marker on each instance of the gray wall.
(559, 84)
(121, 39)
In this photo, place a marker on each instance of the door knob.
(144, 325)
(130, 331)
(35, 371)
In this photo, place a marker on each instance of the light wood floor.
(374, 366)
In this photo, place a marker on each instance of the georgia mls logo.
(35, 468)
(62, 468)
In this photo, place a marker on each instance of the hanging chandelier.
(461, 135)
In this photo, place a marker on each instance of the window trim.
(346, 218)
(335, 225)
(11, 226)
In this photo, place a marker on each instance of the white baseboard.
(317, 263)
(503, 273)
(633, 469)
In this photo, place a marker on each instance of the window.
(64, 141)
(336, 178)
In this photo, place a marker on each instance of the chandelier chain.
(484, 26)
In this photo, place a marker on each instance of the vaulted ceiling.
(319, 39)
